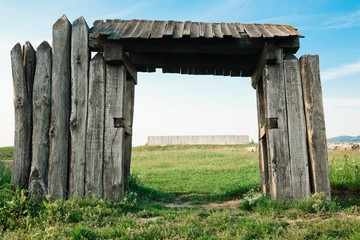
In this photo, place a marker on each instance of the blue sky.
(169, 104)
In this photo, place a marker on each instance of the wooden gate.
(74, 113)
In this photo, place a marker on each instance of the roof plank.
(139, 29)
(202, 29)
(169, 28)
(252, 31)
(225, 29)
(147, 30)
(217, 30)
(186, 31)
(195, 30)
(158, 29)
(208, 30)
(130, 29)
(233, 30)
(178, 30)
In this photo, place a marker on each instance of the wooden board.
(169, 28)
(95, 128)
(225, 29)
(208, 31)
(113, 178)
(128, 119)
(178, 30)
(30, 66)
(277, 139)
(195, 30)
(217, 30)
(158, 29)
(60, 109)
(41, 121)
(315, 123)
(80, 57)
(297, 129)
(22, 136)
(234, 31)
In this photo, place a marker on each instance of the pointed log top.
(28, 45)
(16, 48)
(80, 20)
(44, 46)
(61, 21)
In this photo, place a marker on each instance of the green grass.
(6, 153)
(194, 179)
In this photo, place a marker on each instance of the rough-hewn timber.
(315, 122)
(80, 56)
(38, 182)
(60, 108)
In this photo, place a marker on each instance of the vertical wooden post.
(95, 128)
(41, 121)
(60, 108)
(263, 157)
(315, 122)
(128, 119)
(114, 137)
(22, 104)
(277, 138)
(296, 128)
(80, 57)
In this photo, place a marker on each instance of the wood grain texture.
(22, 135)
(38, 181)
(297, 129)
(178, 30)
(113, 178)
(128, 118)
(80, 57)
(60, 109)
(30, 66)
(158, 29)
(208, 31)
(277, 139)
(195, 30)
(315, 123)
(95, 128)
(217, 30)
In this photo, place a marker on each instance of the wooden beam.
(38, 181)
(80, 57)
(22, 136)
(297, 129)
(315, 123)
(60, 108)
(95, 128)
(270, 55)
(113, 178)
(114, 54)
(270, 123)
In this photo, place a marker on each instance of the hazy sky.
(170, 104)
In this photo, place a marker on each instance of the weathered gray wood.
(60, 109)
(217, 30)
(263, 157)
(269, 55)
(277, 139)
(234, 31)
(187, 26)
(208, 31)
(38, 181)
(178, 30)
(22, 136)
(158, 29)
(139, 29)
(113, 178)
(297, 129)
(80, 56)
(195, 30)
(147, 29)
(128, 118)
(30, 66)
(225, 29)
(315, 122)
(169, 28)
(95, 128)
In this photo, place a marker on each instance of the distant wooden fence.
(74, 115)
(216, 139)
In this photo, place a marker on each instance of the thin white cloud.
(127, 12)
(342, 102)
(341, 71)
(346, 21)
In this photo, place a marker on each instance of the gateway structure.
(74, 113)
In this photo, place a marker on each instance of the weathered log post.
(95, 128)
(315, 122)
(22, 104)
(41, 121)
(80, 57)
(296, 129)
(60, 109)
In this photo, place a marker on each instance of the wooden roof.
(118, 29)
(229, 49)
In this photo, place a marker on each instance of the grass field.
(189, 192)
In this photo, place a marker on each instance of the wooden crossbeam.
(270, 123)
